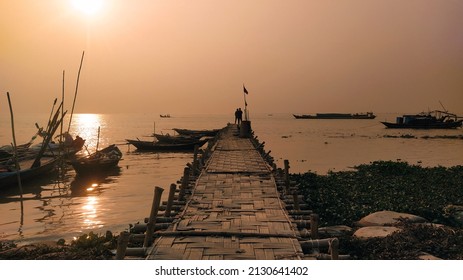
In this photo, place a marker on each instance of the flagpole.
(245, 103)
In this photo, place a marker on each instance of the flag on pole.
(245, 90)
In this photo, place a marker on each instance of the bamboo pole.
(55, 124)
(75, 94)
(15, 151)
(296, 201)
(122, 243)
(286, 175)
(98, 139)
(170, 200)
(62, 112)
(314, 226)
(139, 228)
(184, 185)
(159, 220)
(154, 212)
(334, 249)
(195, 160)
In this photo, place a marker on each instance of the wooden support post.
(159, 220)
(296, 201)
(334, 249)
(122, 243)
(267, 155)
(314, 226)
(195, 160)
(140, 228)
(154, 212)
(286, 175)
(302, 224)
(137, 252)
(184, 185)
(170, 200)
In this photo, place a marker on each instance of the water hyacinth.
(347, 196)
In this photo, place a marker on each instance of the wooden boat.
(98, 161)
(204, 132)
(9, 175)
(160, 146)
(62, 148)
(367, 115)
(176, 139)
(165, 116)
(430, 120)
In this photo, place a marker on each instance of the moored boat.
(204, 132)
(98, 161)
(430, 120)
(160, 146)
(176, 139)
(9, 174)
(367, 115)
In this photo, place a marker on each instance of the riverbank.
(433, 193)
(341, 198)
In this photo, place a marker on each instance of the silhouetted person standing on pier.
(236, 116)
(240, 116)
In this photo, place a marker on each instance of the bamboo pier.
(232, 203)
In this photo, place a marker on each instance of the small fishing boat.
(192, 132)
(165, 116)
(9, 173)
(98, 161)
(67, 148)
(367, 115)
(176, 139)
(430, 120)
(161, 146)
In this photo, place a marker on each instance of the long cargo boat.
(367, 115)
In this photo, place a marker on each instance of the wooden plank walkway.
(234, 211)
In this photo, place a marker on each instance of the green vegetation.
(86, 247)
(342, 198)
(345, 197)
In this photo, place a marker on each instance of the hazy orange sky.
(182, 57)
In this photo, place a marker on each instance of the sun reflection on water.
(90, 212)
(86, 126)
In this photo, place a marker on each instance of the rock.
(383, 218)
(375, 231)
(426, 256)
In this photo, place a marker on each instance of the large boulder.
(375, 231)
(386, 218)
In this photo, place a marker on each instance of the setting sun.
(88, 7)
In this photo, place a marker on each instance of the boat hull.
(101, 161)
(196, 133)
(9, 179)
(157, 146)
(443, 125)
(336, 116)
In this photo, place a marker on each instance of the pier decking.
(234, 211)
(231, 208)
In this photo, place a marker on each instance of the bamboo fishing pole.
(98, 139)
(55, 123)
(62, 112)
(51, 114)
(75, 93)
(15, 151)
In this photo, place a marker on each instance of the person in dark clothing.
(240, 115)
(237, 116)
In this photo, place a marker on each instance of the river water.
(66, 206)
